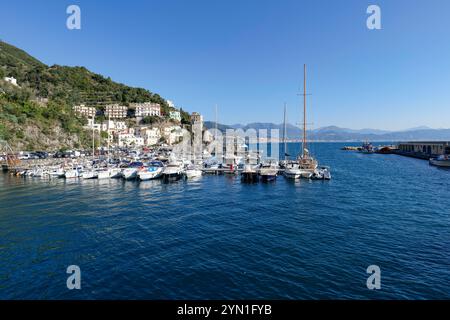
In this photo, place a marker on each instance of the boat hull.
(440, 163)
(292, 174)
(87, 175)
(103, 174)
(149, 175)
(249, 177)
(129, 174)
(193, 174)
(173, 176)
(72, 174)
(268, 178)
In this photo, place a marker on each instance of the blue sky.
(247, 56)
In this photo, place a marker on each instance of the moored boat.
(173, 171)
(249, 173)
(73, 173)
(153, 171)
(268, 172)
(441, 161)
(305, 165)
(367, 148)
(192, 172)
(130, 173)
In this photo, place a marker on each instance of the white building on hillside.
(146, 109)
(109, 125)
(116, 111)
(114, 125)
(173, 134)
(85, 111)
(126, 139)
(151, 136)
(175, 115)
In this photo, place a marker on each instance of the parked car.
(24, 156)
(42, 154)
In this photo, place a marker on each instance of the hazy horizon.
(331, 125)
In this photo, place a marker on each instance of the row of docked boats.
(136, 170)
(292, 169)
(265, 171)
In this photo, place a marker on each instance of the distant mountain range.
(334, 133)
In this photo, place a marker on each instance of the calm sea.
(216, 238)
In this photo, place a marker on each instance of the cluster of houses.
(138, 134)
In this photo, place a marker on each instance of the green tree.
(149, 120)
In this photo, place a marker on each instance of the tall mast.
(109, 122)
(284, 131)
(304, 109)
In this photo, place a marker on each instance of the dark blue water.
(217, 238)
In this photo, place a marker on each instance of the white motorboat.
(292, 170)
(153, 171)
(441, 161)
(322, 173)
(269, 171)
(192, 172)
(129, 173)
(72, 173)
(173, 171)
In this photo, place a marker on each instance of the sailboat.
(283, 163)
(305, 166)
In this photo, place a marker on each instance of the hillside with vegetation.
(38, 114)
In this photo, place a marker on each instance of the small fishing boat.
(441, 161)
(367, 148)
